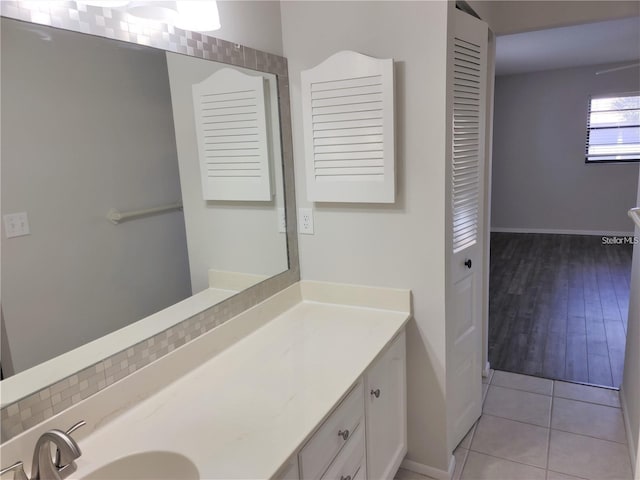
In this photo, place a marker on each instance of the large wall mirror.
(108, 234)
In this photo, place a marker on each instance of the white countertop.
(243, 413)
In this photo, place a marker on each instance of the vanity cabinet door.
(386, 411)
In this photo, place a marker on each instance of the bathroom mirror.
(107, 239)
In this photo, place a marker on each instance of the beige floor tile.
(586, 393)
(485, 389)
(588, 419)
(588, 457)
(518, 405)
(484, 467)
(487, 379)
(527, 383)
(404, 474)
(461, 456)
(511, 440)
(466, 441)
(561, 476)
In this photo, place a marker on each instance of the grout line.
(587, 384)
(553, 387)
(587, 402)
(566, 380)
(527, 391)
(589, 436)
(566, 474)
(517, 421)
(509, 460)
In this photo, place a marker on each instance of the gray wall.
(399, 245)
(70, 152)
(540, 180)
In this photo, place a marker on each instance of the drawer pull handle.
(348, 477)
(376, 393)
(344, 434)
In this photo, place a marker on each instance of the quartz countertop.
(244, 412)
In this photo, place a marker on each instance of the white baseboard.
(487, 369)
(430, 471)
(627, 427)
(598, 233)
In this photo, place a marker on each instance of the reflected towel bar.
(634, 213)
(115, 217)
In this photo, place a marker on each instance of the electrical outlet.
(282, 220)
(16, 224)
(305, 221)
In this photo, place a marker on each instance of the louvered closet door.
(464, 320)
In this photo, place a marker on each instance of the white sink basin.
(147, 466)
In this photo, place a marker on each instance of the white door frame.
(488, 160)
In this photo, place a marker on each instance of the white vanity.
(364, 436)
(308, 384)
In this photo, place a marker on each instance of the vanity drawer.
(325, 444)
(350, 463)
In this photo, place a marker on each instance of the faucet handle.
(59, 461)
(75, 427)
(18, 471)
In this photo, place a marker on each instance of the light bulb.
(199, 16)
(158, 11)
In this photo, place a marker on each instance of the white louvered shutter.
(347, 104)
(468, 89)
(231, 128)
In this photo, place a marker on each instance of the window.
(613, 129)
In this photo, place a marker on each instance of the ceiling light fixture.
(160, 11)
(198, 16)
(106, 3)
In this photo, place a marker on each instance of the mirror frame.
(33, 389)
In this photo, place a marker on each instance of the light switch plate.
(305, 221)
(16, 224)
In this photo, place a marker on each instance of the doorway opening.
(558, 306)
(561, 241)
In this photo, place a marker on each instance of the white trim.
(627, 427)
(487, 370)
(432, 472)
(598, 233)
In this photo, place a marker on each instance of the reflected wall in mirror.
(91, 124)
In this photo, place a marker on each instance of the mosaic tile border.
(43, 404)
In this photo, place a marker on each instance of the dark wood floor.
(558, 306)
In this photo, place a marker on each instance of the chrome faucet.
(44, 467)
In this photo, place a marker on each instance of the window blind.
(613, 128)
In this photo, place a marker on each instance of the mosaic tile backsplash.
(41, 405)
